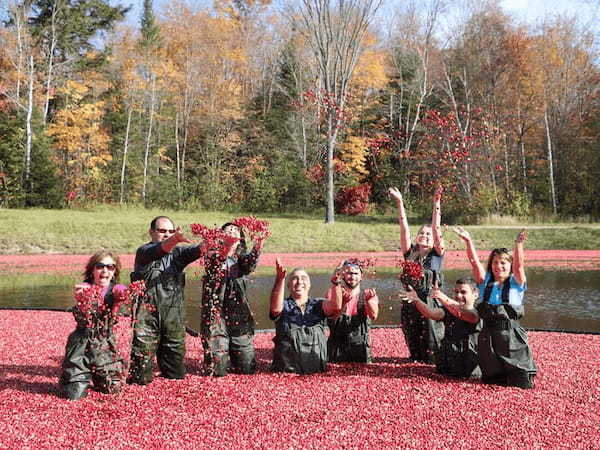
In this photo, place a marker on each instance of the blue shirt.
(515, 293)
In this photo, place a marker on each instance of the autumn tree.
(567, 72)
(412, 53)
(335, 30)
(64, 32)
(81, 143)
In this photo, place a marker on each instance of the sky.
(527, 10)
(532, 10)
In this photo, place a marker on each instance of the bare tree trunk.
(463, 125)
(304, 143)
(148, 136)
(330, 210)
(19, 28)
(506, 167)
(125, 150)
(50, 61)
(183, 153)
(523, 163)
(550, 160)
(177, 155)
(28, 121)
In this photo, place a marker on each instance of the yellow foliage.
(370, 70)
(353, 154)
(162, 155)
(81, 145)
(209, 62)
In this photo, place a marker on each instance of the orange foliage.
(81, 144)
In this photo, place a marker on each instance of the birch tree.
(335, 30)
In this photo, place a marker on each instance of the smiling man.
(349, 337)
(159, 328)
(300, 342)
(457, 354)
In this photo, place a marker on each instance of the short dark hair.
(156, 219)
(469, 281)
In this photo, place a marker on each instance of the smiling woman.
(91, 354)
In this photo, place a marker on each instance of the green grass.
(123, 229)
(26, 280)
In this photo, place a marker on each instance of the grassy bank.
(123, 229)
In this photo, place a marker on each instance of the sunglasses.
(101, 266)
(164, 230)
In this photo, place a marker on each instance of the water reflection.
(555, 299)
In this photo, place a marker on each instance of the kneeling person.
(457, 355)
(300, 343)
(349, 337)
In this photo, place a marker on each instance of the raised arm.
(519, 258)
(423, 308)
(277, 292)
(476, 266)
(249, 261)
(402, 220)
(332, 306)
(169, 244)
(436, 218)
(371, 304)
(455, 308)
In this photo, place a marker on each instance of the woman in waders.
(423, 336)
(505, 357)
(91, 352)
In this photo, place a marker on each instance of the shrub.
(353, 200)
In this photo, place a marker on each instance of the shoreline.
(454, 259)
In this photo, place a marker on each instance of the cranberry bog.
(389, 403)
(455, 259)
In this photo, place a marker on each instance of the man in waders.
(159, 327)
(300, 342)
(349, 337)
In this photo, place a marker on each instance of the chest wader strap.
(500, 323)
(504, 294)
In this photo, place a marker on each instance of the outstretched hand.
(178, 236)
(119, 293)
(409, 296)
(521, 237)
(369, 294)
(280, 269)
(81, 287)
(337, 276)
(395, 193)
(259, 242)
(462, 233)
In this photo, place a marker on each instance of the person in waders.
(349, 331)
(91, 354)
(227, 323)
(159, 328)
(505, 357)
(457, 354)
(423, 336)
(300, 342)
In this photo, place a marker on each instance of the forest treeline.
(306, 106)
